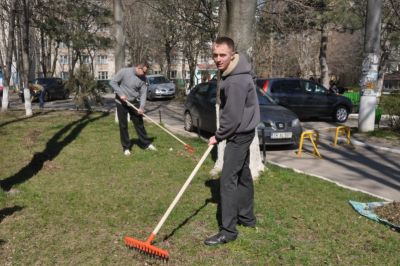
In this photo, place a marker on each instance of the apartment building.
(103, 64)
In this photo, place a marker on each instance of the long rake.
(147, 247)
(189, 148)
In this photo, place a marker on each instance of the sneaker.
(151, 148)
(127, 152)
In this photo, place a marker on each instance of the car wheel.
(149, 96)
(341, 114)
(188, 122)
(66, 95)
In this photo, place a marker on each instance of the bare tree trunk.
(119, 35)
(25, 52)
(168, 50)
(119, 39)
(322, 56)
(54, 63)
(237, 20)
(43, 54)
(369, 76)
(9, 53)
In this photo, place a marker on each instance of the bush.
(391, 106)
(87, 89)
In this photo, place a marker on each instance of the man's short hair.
(225, 40)
(143, 64)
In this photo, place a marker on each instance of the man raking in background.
(129, 84)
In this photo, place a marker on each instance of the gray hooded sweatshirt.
(127, 83)
(240, 111)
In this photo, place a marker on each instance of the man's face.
(222, 56)
(141, 71)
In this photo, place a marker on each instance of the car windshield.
(157, 80)
(264, 99)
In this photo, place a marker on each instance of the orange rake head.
(147, 247)
(189, 148)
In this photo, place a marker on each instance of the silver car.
(159, 87)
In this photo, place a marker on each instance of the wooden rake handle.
(163, 128)
(184, 187)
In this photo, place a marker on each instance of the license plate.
(281, 135)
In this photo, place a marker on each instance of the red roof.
(206, 66)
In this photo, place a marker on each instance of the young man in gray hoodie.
(239, 117)
(129, 84)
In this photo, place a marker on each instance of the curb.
(366, 145)
(369, 146)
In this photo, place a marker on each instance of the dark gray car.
(280, 125)
(306, 98)
(159, 87)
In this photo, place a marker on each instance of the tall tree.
(237, 20)
(119, 35)
(119, 39)
(369, 76)
(9, 50)
(25, 38)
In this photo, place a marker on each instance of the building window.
(102, 75)
(64, 75)
(102, 28)
(85, 59)
(173, 74)
(102, 59)
(64, 60)
(62, 45)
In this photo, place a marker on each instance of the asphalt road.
(372, 168)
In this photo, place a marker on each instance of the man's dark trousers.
(236, 185)
(122, 111)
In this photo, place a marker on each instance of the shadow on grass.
(9, 211)
(53, 147)
(186, 221)
(25, 118)
(213, 184)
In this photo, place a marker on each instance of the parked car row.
(282, 102)
(278, 126)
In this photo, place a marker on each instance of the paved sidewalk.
(370, 170)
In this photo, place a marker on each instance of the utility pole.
(370, 67)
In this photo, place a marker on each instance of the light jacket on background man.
(125, 79)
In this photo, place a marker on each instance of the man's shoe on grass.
(218, 239)
(151, 148)
(127, 152)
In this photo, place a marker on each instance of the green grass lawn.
(69, 196)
